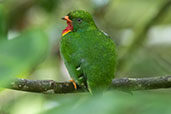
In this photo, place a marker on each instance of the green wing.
(71, 59)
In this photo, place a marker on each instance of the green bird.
(88, 53)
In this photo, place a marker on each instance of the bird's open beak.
(67, 19)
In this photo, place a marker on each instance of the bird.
(88, 53)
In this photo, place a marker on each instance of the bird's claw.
(74, 84)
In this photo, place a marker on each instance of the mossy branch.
(50, 86)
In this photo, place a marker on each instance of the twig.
(142, 83)
(50, 86)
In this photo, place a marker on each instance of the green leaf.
(22, 53)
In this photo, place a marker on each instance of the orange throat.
(65, 32)
(68, 29)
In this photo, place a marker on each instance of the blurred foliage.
(3, 25)
(30, 52)
(48, 6)
(22, 53)
(150, 102)
(114, 103)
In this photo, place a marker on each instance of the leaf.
(22, 53)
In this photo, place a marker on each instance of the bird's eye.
(79, 20)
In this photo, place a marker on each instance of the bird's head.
(78, 20)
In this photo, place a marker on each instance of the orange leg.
(75, 85)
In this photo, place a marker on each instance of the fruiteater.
(88, 53)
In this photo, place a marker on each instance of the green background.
(30, 31)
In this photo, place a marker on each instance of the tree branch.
(50, 86)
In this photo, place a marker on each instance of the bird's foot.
(74, 84)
